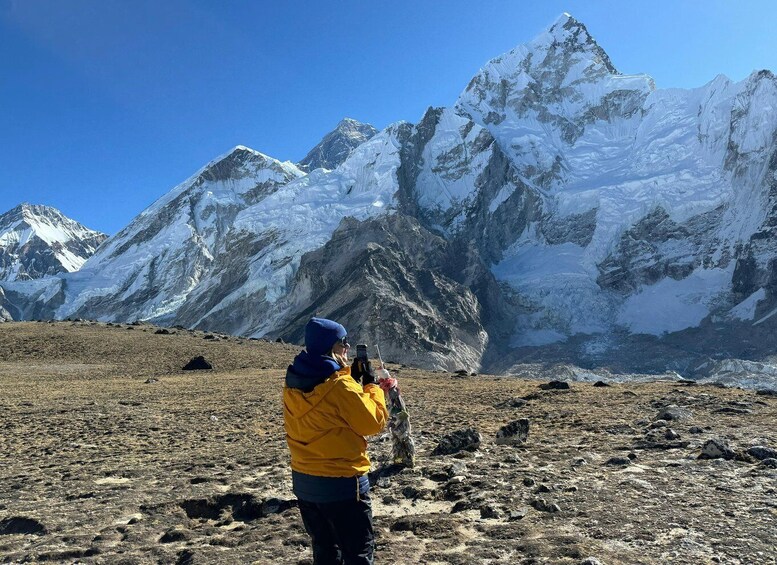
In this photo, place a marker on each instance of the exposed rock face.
(39, 241)
(337, 145)
(5, 316)
(391, 282)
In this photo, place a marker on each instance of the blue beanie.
(321, 334)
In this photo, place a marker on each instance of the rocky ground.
(110, 453)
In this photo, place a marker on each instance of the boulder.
(197, 364)
(461, 440)
(673, 412)
(514, 433)
(760, 452)
(21, 525)
(555, 385)
(716, 449)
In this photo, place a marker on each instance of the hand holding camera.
(361, 369)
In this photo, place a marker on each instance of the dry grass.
(194, 465)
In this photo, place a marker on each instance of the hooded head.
(321, 334)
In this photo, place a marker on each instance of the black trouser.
(341, 532)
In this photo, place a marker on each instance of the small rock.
(515, 515)
(456, 469)
(163, 331)
(279, 340)
(616, 461)
(555, 385)
(542, 488)
(198, 364)
(590, 561)
(513, 433)
(601, 384)
(529, 482)
(463, 505)
(461, 440)
(461, 373)
(185, 557)
(760, 452)
(716, 449)
(173, 535)
(771, 462)
(490, 511)
(411, 492)
(766, 392)
(151, 380)
(544, 506)
(673, 412)
(658, 424)
(695, 430)
(516, 403)
(671, 434)
(439, 476)
(632, 456)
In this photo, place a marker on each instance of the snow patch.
(673, 305)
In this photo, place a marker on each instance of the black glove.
(362, 372)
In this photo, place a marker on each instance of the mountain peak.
(26, 210)
(351, 124)
(569, 35)
(38, 240)
(242, 161)
(335, 147)
(559, 77)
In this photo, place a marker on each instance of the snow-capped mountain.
(335, 147)
(149, 268)
(557, 210)
(37, 241)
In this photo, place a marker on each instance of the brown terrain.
(110, 453)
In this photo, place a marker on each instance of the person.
(329, 407)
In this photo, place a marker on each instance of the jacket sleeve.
(363, 409)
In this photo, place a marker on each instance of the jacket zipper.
(358, 494)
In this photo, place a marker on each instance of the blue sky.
(105, 105)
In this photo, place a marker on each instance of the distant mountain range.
(559, 210)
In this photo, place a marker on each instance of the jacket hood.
(308, 370)
(321, 334)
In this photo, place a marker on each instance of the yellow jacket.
(325, 428)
